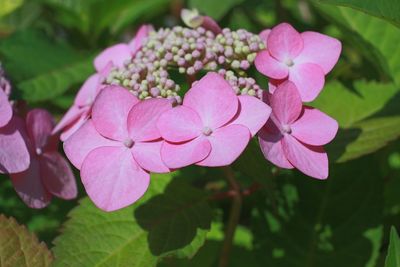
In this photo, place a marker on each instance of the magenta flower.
(193, 19)
(5, 109)
(80, 111)
(48, 173)
(14, 155)
(212, 127)
(295, 134)
(118, 147)
(302, 58)
(119, 53)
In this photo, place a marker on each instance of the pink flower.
(193, 19)
(5, 109)
(14, 155)
(295, 134)
(48, 173)
(118, 147)
(302, 58)
(119, 53)
(80, 111)
(212, 127)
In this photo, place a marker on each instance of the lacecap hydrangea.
(131, 118)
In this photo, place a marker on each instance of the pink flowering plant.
(215, 137)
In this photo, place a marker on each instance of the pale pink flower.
(120, 53)
(302, 58)
(212, 127)
(81, 109)
(48, 173)
(111, 57)
(294, 134)
(118, 147)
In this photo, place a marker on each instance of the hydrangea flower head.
(118, 147)
(48, 173)
(295, 134)
(302, 58)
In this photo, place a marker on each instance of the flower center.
(129, 143)
(289, 62)
(39, 151)
(286, 129)
(207, 131)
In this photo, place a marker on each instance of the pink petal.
(311, 160)
(180, 124)
(211, 25)
(39, 124)
(178, 155)
(143, 117)
(71, 116)
(284, 42)
(30, 188)
(112, 178)
(57, 175)
(14, 155)
(253, 113)
(148, 156)
(314, 127)
(271, 146)
(88, 91)
(309, 80)
(213, 99)
(264, 35)
(110, 112)
(117, 54)
(273, 84)
(137, 42)
(270, 67)
(83, 141)
(73, 127)
(286, 103)
(5, 109)
(227, 143)
(320, 49)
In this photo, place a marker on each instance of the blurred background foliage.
(47, 48)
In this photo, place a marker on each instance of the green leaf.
(19, 247)
(393, 257)
(386, 9)
(375, 38)
(8, 6)
(171, 219)
(368, 115)
(350, 104)
(41, 68)
(214, 9)
(321, 223)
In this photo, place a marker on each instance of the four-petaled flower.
(302, 58)
(294, 134)
(118, 147)
(48, 173)
(111, 57)
(212, 127)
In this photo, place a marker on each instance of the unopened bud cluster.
(188, 51)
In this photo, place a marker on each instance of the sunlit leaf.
(19, 247)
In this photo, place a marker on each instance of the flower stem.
(233, 217)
